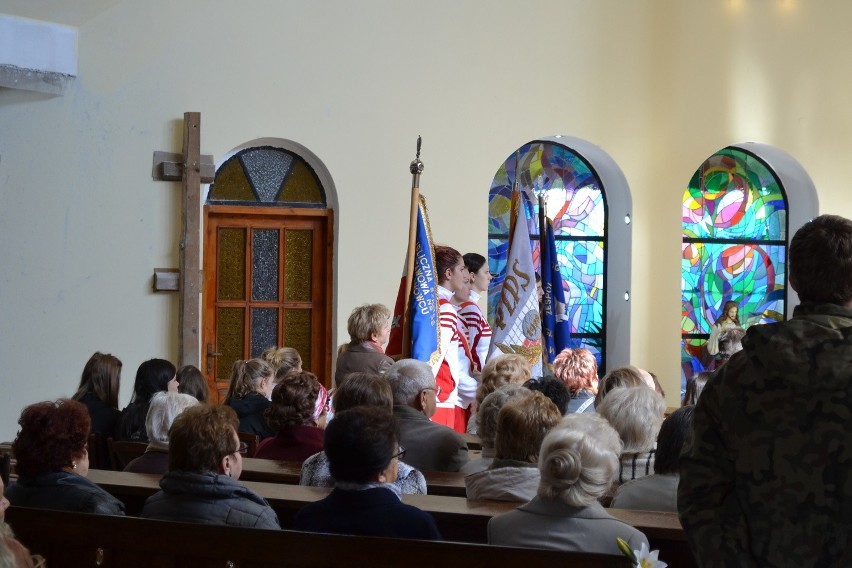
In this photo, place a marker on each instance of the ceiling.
(69, 12)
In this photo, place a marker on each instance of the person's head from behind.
(293, 401)
(53, 437)
(505, 369)
(626, 376)
(413, 384)
(552, 388)
(489, 410)
(361, 445)
(203, 439)
(253, 375)
(577, 368)
(284, 359)
(821, 261)
(522, 424)
(636, 414)
(192, 382)
(164, 408)
(730, 342)
(694, 387)
(370, 322)
(363, 389)
(101, 377)
(152, 376)
(670, 441)
(578, 460)
(449, 265)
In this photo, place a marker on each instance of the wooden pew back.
(77, 539)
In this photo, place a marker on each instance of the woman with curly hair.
(578, 369)
(52, 461)
(298, 404)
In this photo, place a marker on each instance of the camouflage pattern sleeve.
(707, 501)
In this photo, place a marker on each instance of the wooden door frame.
(321, 328)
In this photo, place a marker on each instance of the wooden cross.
(192, 169)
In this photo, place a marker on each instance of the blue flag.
(555, 324)
(423, 301)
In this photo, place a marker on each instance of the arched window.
(740, 209)
(268, 278)
(587, 198)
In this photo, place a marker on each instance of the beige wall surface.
(659, 84)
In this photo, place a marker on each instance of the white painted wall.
(658, 84)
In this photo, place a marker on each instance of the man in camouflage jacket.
(767, 477)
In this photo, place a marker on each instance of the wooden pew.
(270, 471)
(458, 519)
(76, 539)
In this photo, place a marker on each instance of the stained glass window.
(576, 203)
(267, 175)
(734, 247)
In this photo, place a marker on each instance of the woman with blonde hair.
(282, 360)
(505, 369)
(248, 394)
(636, 413)
(578, 369)
(577, 462)
(369, 329)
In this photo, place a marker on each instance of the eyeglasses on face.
(242, 449)
(399, 454)
(437, 390)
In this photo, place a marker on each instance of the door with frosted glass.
(267, 282)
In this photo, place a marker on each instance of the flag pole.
(542, 243)
(416, 168)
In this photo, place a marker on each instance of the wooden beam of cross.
(192, 169)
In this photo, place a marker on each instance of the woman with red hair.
(52, 461)
(578, 369)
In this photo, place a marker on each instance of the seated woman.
(98, 390)
(486, 425)
(658, 492)
(282, 360)
(191, 381)
(165, 407)
(521, 426)
(248, 394)
(369, 328)
(361, 389)
(205, 461)
(505, 369)
(627, 376)
(552, 388)
(12, 552)
(636, 413)
(363, 452)
(294, 416)
(152, 376)
(52, 461)
(577, 462)
(578, 369)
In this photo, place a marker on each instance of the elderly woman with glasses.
(205, 461)
(363, 455)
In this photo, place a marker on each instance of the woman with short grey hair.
(164, 408)
(577, 461)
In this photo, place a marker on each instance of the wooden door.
(267, 282)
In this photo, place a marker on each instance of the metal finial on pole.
(416, 167)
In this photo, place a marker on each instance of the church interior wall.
(658, 84)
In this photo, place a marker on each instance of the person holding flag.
(456, 387)
(476, 325)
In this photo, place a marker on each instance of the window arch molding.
(617, 239)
